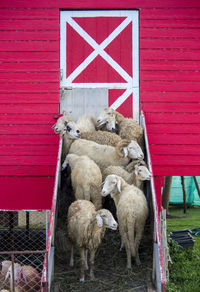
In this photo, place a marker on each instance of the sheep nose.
(78, 132)
(115, 225)
(103, 193)
(113, 130)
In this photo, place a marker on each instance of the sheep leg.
(86, 259)
(92, 256)
(72, 256)
(82, 269)
(122, 246)
(138, 238)
(125, 240)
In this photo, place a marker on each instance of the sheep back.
(103, 155)
(101, 137)
(132, 205)
(118, 170)
(86, 180)
(82, 227)
(86, 123)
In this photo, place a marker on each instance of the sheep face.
(104, 217)
(133, 151)
(112, 185)
(59, 126)
(142, 172)
(71, 130)
(107, 119)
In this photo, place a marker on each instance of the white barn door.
(99, 62)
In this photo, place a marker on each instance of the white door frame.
(132, 83)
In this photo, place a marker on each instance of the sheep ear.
(125, 149)
(64, 165)
(119, 185)
(99, 220)
(136, 171)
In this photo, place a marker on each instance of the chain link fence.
(23, 236)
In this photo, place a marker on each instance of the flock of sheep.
(105, 155)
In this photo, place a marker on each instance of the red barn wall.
(29, 91)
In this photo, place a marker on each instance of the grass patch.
(185, 267)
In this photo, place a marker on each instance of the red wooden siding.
(29, 100)
(29, 89)
(170, 88)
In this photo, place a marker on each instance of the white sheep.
(101, 137)
(86, 178)
(132, 212)
(107, 123)
(68, 130)
(26, 278)
(59, 126)
(86, 123)
(127, 127)
(136, 177)
(105, 155)
(86, 228)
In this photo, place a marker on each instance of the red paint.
(124, 42)
(28, 171)
(99, 28)
(93, 4)
(126, 108)
(26, 193)
(176, 118)
(34, 139)
(27, 119)
(77, 49)
(99, 71)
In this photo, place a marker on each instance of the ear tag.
(99, 220)
(125, 149)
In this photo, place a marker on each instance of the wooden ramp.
(110, 262)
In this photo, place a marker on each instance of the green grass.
(185, 267)
(191, 218)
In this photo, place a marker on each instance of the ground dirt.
(110, 263)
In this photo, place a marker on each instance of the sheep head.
(105, 218)
(60, 124)
(142, 172)
(107, 119)
(129, 149)
(112, 185)
(71, 130)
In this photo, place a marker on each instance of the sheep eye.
(68, 129)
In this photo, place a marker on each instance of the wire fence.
(23, 236)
